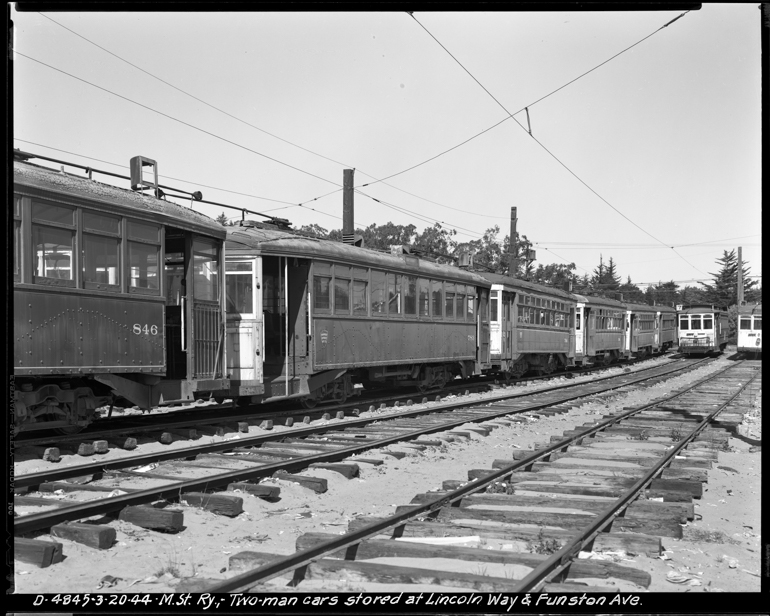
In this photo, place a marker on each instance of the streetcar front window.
(757, 324)
(708, 323)
(684, 323)
(695, 322)
(745, 323)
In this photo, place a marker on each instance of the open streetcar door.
(245, 346)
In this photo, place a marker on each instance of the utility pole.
(512, 246)
(740, 275)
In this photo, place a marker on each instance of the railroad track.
(127, 432)
(620, 484)
(262, 457)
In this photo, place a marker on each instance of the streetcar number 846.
(145, 329)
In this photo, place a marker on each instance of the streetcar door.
(176, 295)
(483, 334)
(244, 323)
(509, 318)
(577, 318)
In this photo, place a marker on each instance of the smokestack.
(348, 226)
(512, 246)
(740, 275)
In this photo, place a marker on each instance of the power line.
(165, 115)
(200, 100)
(548, 151)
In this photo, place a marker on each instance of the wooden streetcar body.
(601, 334)
(99, 308)
(702, 329)
(750, 329)
(320, 317)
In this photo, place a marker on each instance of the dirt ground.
(720, 550)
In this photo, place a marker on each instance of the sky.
(653, 158)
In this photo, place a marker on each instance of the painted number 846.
(145, 329)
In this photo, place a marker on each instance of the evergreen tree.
(631, 293)
(605, 278)
(723, 291)
(222, 220)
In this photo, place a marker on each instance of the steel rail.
(555, 564)
(34, 479)
(138, 425)
(348, 541)
(174, 491)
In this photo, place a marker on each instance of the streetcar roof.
(247, 241)
(516, 284)
(44, 182)
(755, 309)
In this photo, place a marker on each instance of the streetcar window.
(423, 303)
(745, 323)
(436, 294)
(56, 214)
(143, 266)
(695, 322)
(144, 231)
(757, 324)
(378, 292)
(394, 293)
(708, 323)
(410, 294)
(321, 296)
(53, 252)
(205, 270)
(17, 238)
(341, 294)
(101, 222)
(100, 258)
(520, 314)
(449, 302)
(684, 322)
(493, 306)
(360, 273)
(359, 296)
(239, 288)
(341, 271)
(471, 297)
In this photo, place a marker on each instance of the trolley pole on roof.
(512, 246)
(740, 275)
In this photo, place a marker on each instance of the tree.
(436, 242)
(723, 291)
(222, 220)
(555, 274)
(691, 295)
(313, 231)
(605, 276)
(665, 293)
(631, 293)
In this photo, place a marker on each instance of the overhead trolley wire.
(170, 117)
(200, 100)
(548, 151)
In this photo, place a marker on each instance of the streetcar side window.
(144, 259)
(53, 240)
(437, 295)
(205, 270)
(17, 238)
(449, 301)
(423, 302)
(101, 250)
(239, 288)
(394, 293)
(757, 324)
(410, 295)
(321, 295)
(493, 305)
(684, 322)
(378, 301)
(708, 323)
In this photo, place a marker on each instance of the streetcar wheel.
(308, 403)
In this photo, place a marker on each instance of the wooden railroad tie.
(317, 484)
(168, 520)
(222, 504)
(388, 548)
(37, 552)
(347, 470)
(632, 543)
(260, 490)
(96, 536)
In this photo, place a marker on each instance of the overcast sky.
(667, 133)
